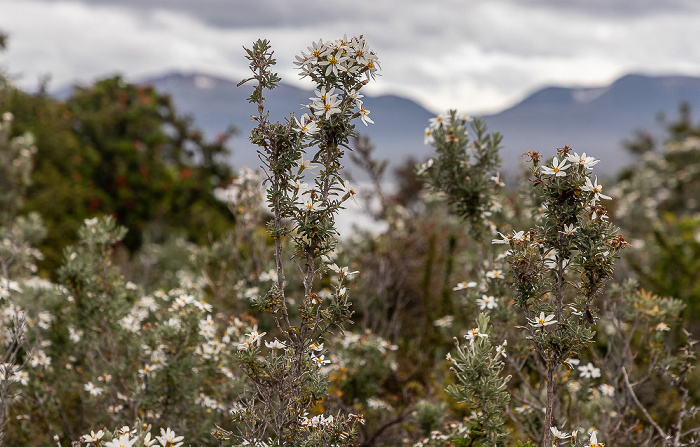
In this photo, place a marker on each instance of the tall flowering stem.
(465, 169)
(17, 257)
(478, 368)
(561, 264)
(290, 379)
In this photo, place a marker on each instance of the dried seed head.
(535, 157)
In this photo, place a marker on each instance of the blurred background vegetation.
(119, 149)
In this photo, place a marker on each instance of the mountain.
(216, 103)
(592, 120)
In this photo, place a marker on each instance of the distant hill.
(217, 103)
(592, 120)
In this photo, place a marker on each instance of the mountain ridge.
(595, 120)
(221, 103)
(553, 117)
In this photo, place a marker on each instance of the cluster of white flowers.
(377, 404)
(251, 339)
(147, 305)
(307, 125)
(324, 104)
(39, 359)
(8, 286)
(12, 317)
(270, 275)
(275, 344)
(341, 58)
(187, 279)
(596, 189)
(93, 389)
(438, 121)
(517, 236)
(127, 437)
(234, 330)
(542, 321)
(308, 201)
(589, 371)
(475, 334)
(569, 230)
(423, 168)
(320, 360)
(487, 302)
(94, 437)
(181, 301)
(559, 167)
(211, 403)
(662, 327)
(211, 349)
(445, 321)
(495, 274)
(11, 373)
(131, 323)
(342, 272)
(436, 438)
(501, 349)
(247, 186)
(607, 390)
(335, 64)
(244, 196)
(318, 421)
(559, 435)
(207, 328)
(593, 440)
(464, 285)
(573, 386)
(354, 343)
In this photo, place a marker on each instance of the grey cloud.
(490, 52)
(234, 14)
(616, 8)
(269, 13)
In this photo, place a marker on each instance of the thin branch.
(519, 424)
(398, 420)
(641, 407)
(525, 382)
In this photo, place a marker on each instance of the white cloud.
(475, 56)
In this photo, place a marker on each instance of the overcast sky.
(472, 55)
